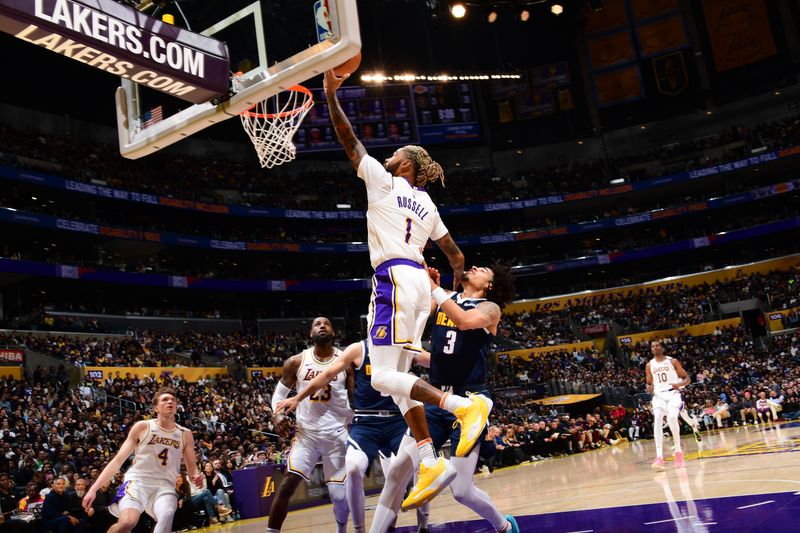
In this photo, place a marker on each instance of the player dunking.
(149, 484)
(321, 431)
(401, 217)
(665, 377)
(378, 427)
(464, 326)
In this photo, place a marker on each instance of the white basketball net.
(271, 124)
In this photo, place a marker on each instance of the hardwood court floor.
(747, 480)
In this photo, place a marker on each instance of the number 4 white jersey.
(664, 375)
(158, 455)
(328, 409)
(400, 218)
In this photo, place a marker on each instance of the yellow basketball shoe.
(472, 419)
(430, 482)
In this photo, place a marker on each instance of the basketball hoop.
(271, 124)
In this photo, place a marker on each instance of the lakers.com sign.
(117, 39)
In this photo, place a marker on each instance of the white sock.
(451, 402)
(675, 428)
(426, 453)
(273, 530)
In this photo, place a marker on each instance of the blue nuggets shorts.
(372, 434)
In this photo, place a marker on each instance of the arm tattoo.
(344, 132)
(452, 251)
(490, 310)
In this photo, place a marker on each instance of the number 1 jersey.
(400, 218)
(458, 357)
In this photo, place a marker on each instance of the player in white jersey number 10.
(665, 377)
(401, 218)
(159, 445)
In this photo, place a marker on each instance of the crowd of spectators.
(634, 311)
(653, 309)
(166, 349)
(196, 177)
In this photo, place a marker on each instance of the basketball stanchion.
(272, 123)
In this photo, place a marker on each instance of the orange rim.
(296, 88)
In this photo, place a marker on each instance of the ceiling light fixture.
(458, 10)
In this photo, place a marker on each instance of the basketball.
(349, 66)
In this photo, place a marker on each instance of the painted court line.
(756, 504)
(582, 531)
(670, 520)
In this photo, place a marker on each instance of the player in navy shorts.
(378, 426)
(460, 337)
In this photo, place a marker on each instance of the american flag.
(152, 116)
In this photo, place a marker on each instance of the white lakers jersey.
(158, 455)
(664, 374)
(327, 409)
(400, 218)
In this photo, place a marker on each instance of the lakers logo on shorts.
(380, 333)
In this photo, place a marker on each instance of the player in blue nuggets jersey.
(378, 425)
(463, 329)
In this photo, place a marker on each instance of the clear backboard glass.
(273, 44)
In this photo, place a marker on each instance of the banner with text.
(100, 373)
(12, 355)
(115, 38)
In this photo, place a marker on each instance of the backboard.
(273, 45)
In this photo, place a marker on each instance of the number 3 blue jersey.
(458, 357)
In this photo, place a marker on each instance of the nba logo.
(381, 332)
(322, 18)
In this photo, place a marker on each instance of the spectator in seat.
(31, 505)
(708, 414)
(225, 477)
(488, 452)
(184, 514)
(56, 511)
(214, 485)
(775, 402)
(7, 498)
(735, 410)
(763, 411)
(748, 408)
(720, 412)
(202, 499)
(101, 519)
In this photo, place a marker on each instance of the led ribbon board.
(119, 40)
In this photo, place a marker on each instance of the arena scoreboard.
(394, 115)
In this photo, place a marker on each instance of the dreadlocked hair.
(425, 168)
(501, 290)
